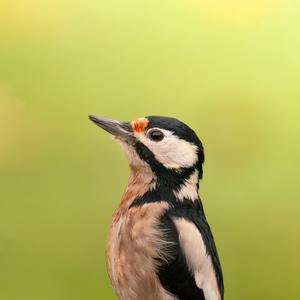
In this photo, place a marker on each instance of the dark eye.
(156, 135)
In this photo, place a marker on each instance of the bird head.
(165, 145)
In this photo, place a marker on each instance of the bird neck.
(142, 180)
(145, 187)
(188, 189)
(139, 183)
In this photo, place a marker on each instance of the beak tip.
(92, 118)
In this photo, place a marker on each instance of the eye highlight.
(156, 135)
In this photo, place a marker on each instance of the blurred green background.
(230, 69)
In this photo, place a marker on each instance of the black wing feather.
(175, 275)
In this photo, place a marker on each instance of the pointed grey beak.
(121, 130)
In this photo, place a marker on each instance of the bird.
(160, 245)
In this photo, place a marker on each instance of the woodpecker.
(160, 246)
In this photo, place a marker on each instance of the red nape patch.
(139, 124)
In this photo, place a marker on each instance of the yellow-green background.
(230, 69)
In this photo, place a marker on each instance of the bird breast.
(133, 244)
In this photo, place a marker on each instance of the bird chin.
(122, 141)
(134, 160)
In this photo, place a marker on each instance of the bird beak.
(121, 130)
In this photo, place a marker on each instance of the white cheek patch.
(172, 151)
(199, 263)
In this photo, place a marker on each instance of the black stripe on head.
(182, 131)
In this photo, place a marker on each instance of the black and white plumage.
(160, 245)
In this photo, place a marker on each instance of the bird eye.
(156, 135)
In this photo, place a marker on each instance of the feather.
(195, 272)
